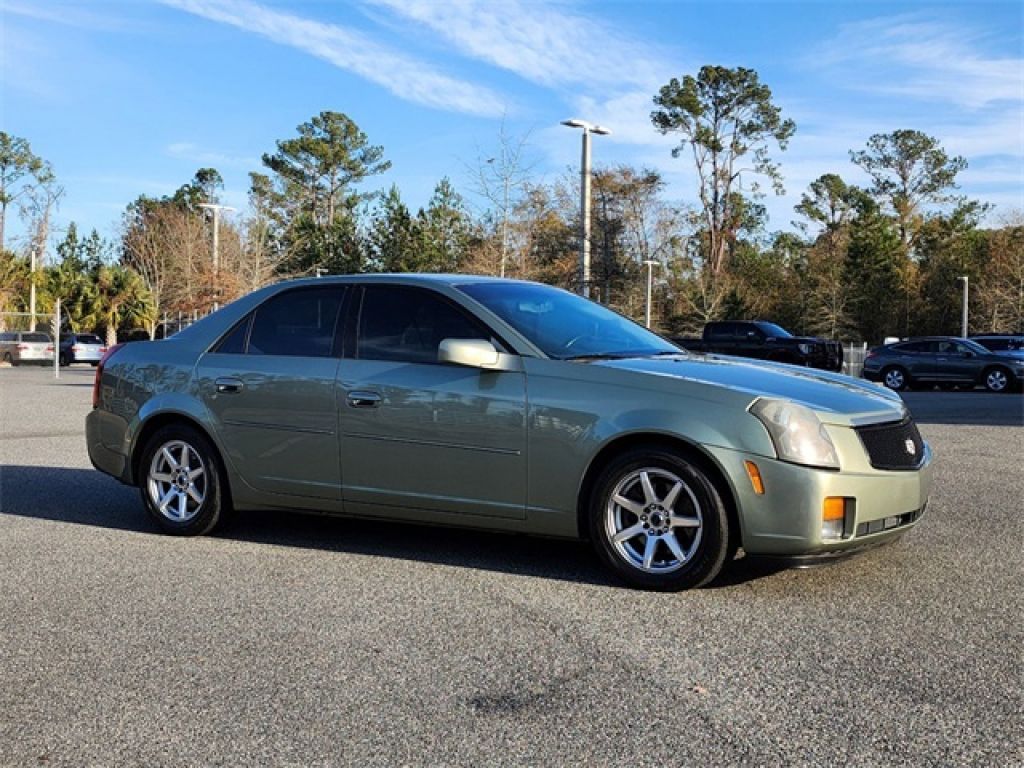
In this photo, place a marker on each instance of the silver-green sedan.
(507, 405)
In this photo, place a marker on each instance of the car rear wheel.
(657, 521)
(895, 378)
(997, 380)
(181, 487)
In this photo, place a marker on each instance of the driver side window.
(407, 325)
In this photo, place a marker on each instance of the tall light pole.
(588, 128)
(216, 244)
(32, 289)
(651, 264)
(963, 316)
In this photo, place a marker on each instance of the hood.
(835, 398)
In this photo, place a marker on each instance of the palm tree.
(121, 297)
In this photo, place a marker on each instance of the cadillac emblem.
(911, 448)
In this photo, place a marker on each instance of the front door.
(270, 387)
(416, 434)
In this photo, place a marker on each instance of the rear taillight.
(75, 348)
(869, 354)
(99, 374)
(22, 347)
(49, 348)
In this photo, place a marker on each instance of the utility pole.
(963, 316)
(588, 128)
(216, 246)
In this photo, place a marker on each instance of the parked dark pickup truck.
(766, 341)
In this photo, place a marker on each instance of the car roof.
(413, 278)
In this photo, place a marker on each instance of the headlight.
(796, 432)
(805, 348)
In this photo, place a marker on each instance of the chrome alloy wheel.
(653, 520)
(894, 379)
(996, 381)
(177, 481)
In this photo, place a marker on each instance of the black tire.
(705, 547)
(998, 379)
(94, 363)
(895, 377)
(8, 359)
(199, 515)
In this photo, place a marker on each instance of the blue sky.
(129, 97)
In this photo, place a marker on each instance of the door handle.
(228, 385)
(362, 399)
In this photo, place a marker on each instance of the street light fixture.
(963, 317)
(651, 264)
(588, 128)
(216, 241)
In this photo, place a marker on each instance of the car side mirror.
(473, 353)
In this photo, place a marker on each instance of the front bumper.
(787, 519)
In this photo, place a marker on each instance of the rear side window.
(914, 346)
(408, 325)
(722, 331)
(297, 323)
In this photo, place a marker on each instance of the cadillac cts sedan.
(508, 405)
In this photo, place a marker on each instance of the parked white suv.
(17, 347)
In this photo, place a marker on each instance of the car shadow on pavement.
(87, 497)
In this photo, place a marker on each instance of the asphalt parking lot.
(294, 640)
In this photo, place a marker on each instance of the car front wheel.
(181, 485)
(658, 522)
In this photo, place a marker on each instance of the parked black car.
(943, 360)
(81, 348)
(1001, 342)
(766, 341)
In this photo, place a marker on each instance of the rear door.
(270, 387)
(418, 434)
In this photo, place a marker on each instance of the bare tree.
(501, 177)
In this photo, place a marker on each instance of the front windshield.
(774, 331)
(974, 347)
(565, 326)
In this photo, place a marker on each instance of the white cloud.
(353, 51)
(915, 56)
(185, 150)
(68, 14)
(543, 43)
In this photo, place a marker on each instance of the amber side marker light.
(755, 477)
(833, 517)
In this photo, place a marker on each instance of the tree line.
(860, 263)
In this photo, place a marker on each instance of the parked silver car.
(18, 347)
(81, 348)
(508, 405)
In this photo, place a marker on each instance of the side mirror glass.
(473, 353)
